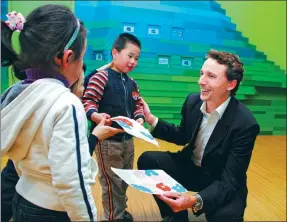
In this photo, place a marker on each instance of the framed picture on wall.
(129, 27)
(153, 31)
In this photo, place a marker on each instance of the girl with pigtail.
(43, 125)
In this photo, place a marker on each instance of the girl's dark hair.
(123, 39)
(8, 55)
(46, 32)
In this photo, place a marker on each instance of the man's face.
(214, 86)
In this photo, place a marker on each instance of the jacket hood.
(21, 118)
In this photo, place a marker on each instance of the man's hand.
(149, 118)
(98, 117)
(178, 201)
(140, 121)
(103, 132)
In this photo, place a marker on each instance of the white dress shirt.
(206, 128)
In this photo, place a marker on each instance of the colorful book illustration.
(134, 128)
(150, 181)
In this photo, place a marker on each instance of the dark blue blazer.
(227, 154)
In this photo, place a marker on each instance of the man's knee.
(146, 161)
(228, 213)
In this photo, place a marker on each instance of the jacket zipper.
(126, 96)
(126, 102)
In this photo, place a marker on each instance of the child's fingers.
(107, 116)
(108, 122)
(102, 122)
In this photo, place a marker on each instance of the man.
(219, 134)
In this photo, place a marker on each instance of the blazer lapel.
(197, 117)
(196, 129)
(218, 134)
(221, 129)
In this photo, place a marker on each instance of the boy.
(111, 93)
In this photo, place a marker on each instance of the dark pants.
(25, 211)
(193, 179)
(9, 179)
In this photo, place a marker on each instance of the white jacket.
(44, 131)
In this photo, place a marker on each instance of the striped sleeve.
(139, 112)
(94, 92)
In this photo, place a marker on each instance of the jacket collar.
(117, 74)
(35, 74)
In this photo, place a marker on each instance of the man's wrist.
(198, 203)
(150, 119)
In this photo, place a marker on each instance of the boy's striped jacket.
(113, 93)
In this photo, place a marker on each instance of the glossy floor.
(266, 183)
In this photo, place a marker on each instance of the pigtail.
(8, 55)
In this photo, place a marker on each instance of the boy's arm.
(87, 78)
(139, 112)
(94, 93)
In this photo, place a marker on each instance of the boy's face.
(127, 59)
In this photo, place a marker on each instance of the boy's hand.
(140, 121)
(98, 117)
(103, 132)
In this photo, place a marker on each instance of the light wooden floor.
(266, 183)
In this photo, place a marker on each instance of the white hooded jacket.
(44, 131)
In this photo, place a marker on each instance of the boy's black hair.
(46, 32)
(119, 44)
(123, 39)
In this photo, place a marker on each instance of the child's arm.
(93, 95)
(139, 112)
(69, 160)
(101, 132)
